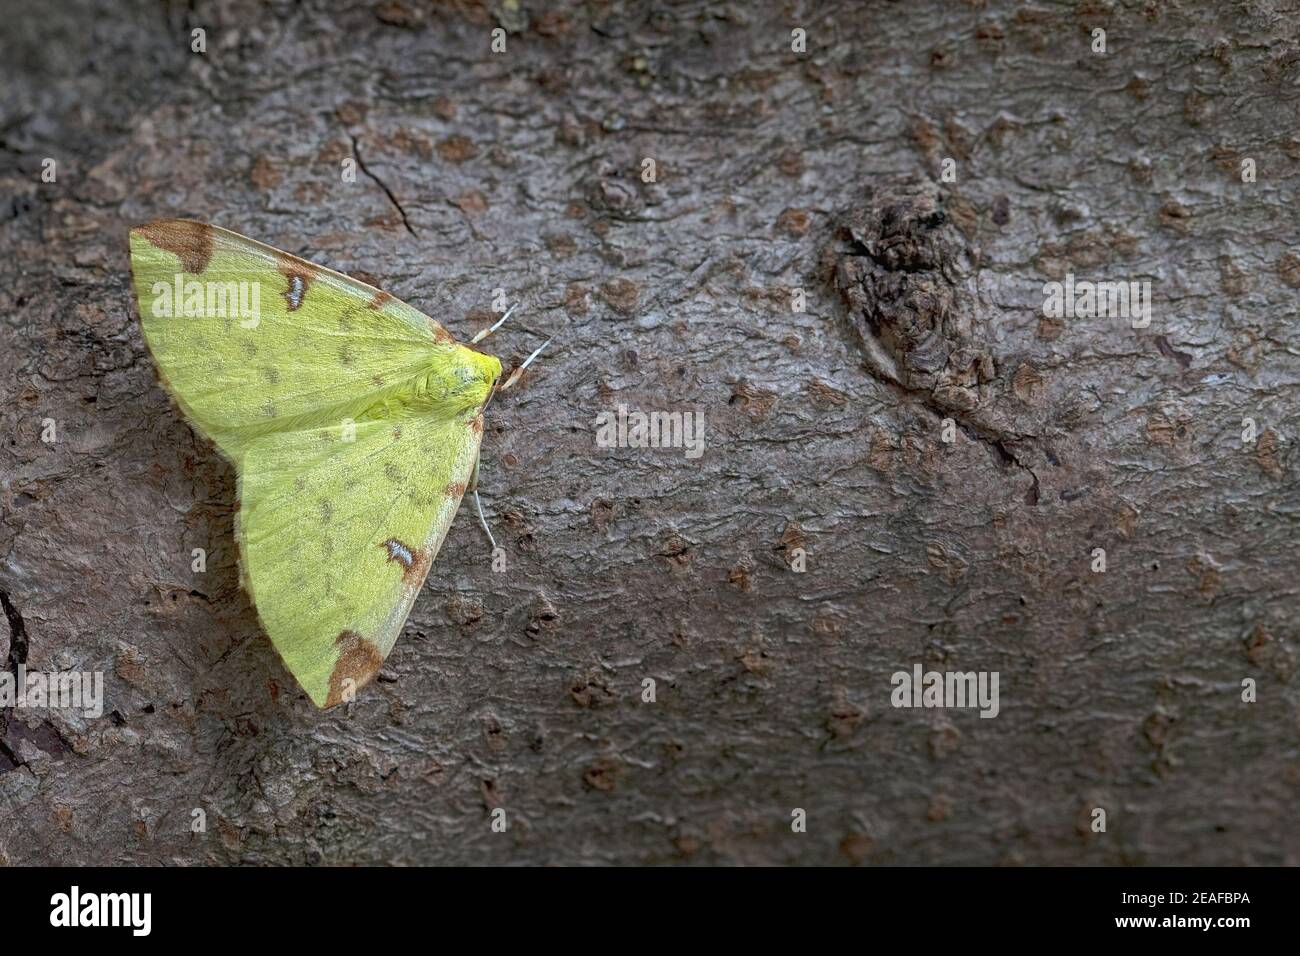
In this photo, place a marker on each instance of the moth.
(352, 419)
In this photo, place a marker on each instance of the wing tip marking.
(187, 240)
(359, 661)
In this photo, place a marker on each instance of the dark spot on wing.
(415, 562)
(397, 551)
(294, 293)
(440, 334)
(300, 275)
(190, 242)
(359, 661)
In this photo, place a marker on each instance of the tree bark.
(778, 176)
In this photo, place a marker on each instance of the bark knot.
(903, 271)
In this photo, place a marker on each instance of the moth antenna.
(479, 504)
(488, 331)
(514, 376)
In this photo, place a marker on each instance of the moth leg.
(473, 487)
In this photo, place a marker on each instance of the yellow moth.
(352, 419)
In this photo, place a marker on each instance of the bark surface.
(775, 173)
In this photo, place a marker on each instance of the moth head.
(476, 373)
